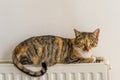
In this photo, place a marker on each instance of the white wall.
(20, 19)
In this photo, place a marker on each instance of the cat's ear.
(77, 33)
(96, 32)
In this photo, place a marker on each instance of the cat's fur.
(49, 50)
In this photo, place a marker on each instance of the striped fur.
(49, 50)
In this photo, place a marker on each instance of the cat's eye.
(91, 40)
(93, 44)
(81, 41)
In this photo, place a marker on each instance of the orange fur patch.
(35, 60)
(22, 49)
(60, 44)
(40, 50)
(88, 43)
(59, 41)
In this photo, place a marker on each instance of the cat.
(49, 50)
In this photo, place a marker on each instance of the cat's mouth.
(86, 48)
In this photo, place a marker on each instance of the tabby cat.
(49, 50)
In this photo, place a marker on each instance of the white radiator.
(90, 71)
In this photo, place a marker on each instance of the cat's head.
(86, 40)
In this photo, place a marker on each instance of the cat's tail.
(21, 67)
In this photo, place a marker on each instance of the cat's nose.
(86, 48)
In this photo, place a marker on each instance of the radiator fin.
(59, 72)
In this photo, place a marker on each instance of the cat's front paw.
(100, 59)
(93, 59)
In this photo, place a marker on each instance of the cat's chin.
(84, 54)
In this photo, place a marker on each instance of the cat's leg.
(92, 59)
(88, 60)
(25, 60)
(99, 59)
(80, 60)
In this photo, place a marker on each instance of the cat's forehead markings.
(84, 34)
(86, 38)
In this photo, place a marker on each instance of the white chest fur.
(84, 54)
